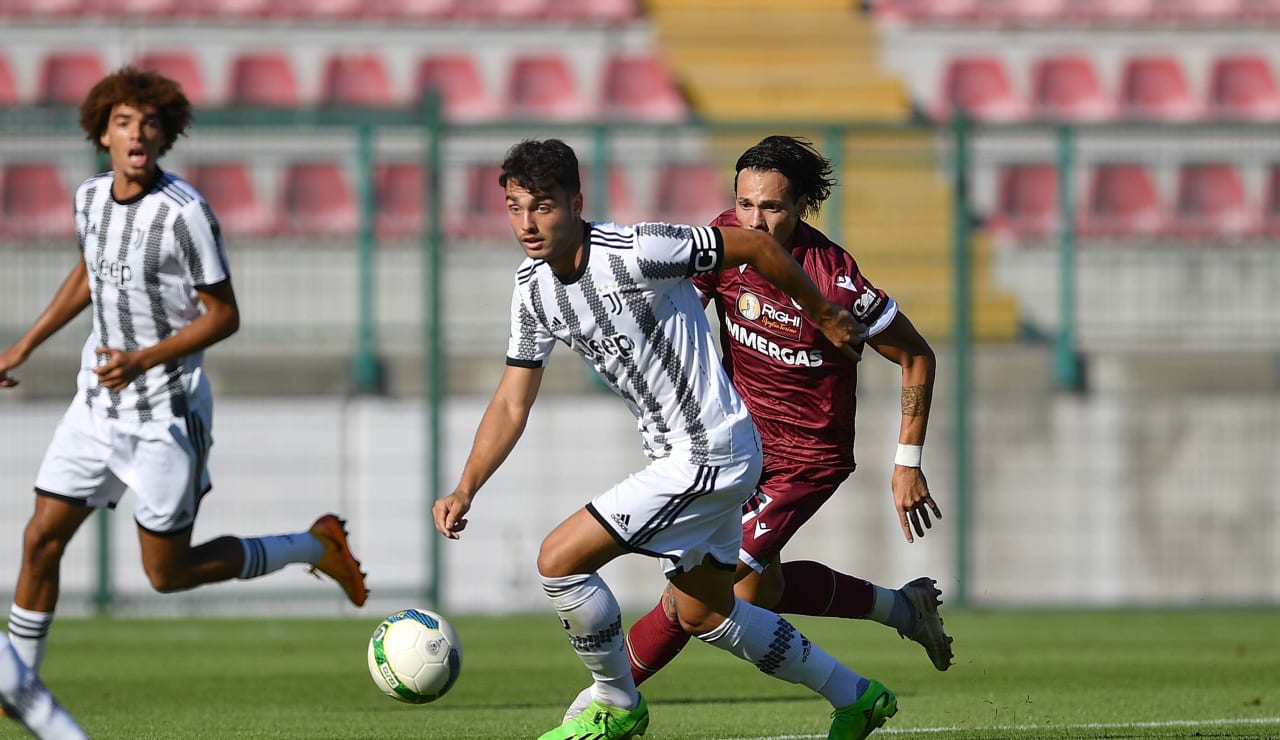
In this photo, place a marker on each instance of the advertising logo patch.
(775, 318)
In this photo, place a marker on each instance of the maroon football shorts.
(789, 494)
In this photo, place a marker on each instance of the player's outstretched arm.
(762, 251)
(500, 428)
(901, 344)
(72, 298)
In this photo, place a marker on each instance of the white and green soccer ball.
(415, 656)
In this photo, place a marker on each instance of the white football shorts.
(680, 512)
(94, 460)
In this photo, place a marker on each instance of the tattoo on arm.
(915, 400)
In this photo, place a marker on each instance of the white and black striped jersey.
(146, 257)
(632, 313)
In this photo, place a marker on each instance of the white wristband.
(909, 455)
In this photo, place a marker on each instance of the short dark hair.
(797, 160)
(132, 86)
(540, 166)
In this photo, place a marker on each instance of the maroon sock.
(815, 590)
(652, 642)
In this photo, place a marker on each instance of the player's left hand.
(914, 502)
(120, 368)
(842, 330)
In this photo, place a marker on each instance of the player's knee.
(699, 621)
(42, 547)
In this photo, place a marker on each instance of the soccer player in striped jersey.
(153, 270)
(802, 396)
(622, 298)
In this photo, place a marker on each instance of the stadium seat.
(1066, 87)
(640, 87)
(980, 86)
(180, 67)
(1211, 202)
(420, 10)
(1021, 12)
(321, 9)
(400, 194)
(1154, 88)
(317, 201)
(1243, 86)
(543, 86)
(593, 11)
(1207, 11)
(620, 207)
(36, 202)
(483, 211)
(1135, 12)
(691, 192)
(1271, 203)
(52, 8)
(1123, 202)
(229, 189)
(140, 8)
(457, 79)
(356, 80)
(264, 80)
(66, 77)
(498, 11)
(932, 11)
(233, 8)
(9, 94)
(1027, 205)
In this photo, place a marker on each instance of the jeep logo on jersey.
(775, 318)
(617, 345)
(114, 271)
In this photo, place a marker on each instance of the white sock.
(29, 633)
(882, 605)
(593, 622)
(777, 648)
(263, 555)
(30, 704)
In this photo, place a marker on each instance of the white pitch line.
(1027, 728)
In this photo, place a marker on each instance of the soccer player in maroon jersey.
(801, 393)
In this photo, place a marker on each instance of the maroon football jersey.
(800, 389)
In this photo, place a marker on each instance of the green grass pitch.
(1018, 674)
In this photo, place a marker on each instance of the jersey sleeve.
(676, 252)
(868, 304)
(199, 244)
(530, 343)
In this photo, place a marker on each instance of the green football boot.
(860, 718)
(602, 722)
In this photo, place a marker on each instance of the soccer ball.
(415, 656)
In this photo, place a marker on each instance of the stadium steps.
(805, 61)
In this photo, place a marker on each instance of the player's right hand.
(8, 361)
(449, 514)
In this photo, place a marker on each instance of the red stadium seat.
(357, 80)
(36, 203)
(318, 201)
(483, 211)
(264, 80)
(501, 10)
(228, 187)
(1123, 202)
(136, 8)
(1243, 86)
(934, 11)
(233, 8)
(543, 86)
(1136, 12)
(66, 78)
(640, 87)
(1066, 88)
(180, 67)
(1018, 12)
(1271, 204)
(1207, 11)
(1026, 203)
(692, 192)
(593, 11)
(620, 206)
(400, 196)
(1211, 202)
(980, 86)
(457, 79)
(321, 9)
(420, 10)
(9, 94)
(53, 8)
(1154, 87)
